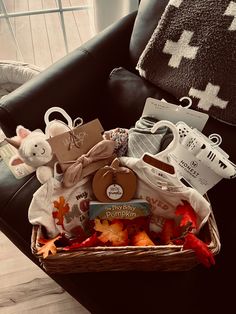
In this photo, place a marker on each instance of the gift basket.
(122, 200)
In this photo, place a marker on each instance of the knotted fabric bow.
(101, 150)
(115, 168)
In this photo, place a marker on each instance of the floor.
(26, 289)
(39, 37)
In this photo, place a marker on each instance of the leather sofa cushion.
(127, 93)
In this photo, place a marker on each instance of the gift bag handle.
(62, 112)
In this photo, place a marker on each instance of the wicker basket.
(14, 74)
(128, 258)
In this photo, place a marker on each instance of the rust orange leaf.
(188, 215)
(142, 239)
(48, 246)
(62, 208)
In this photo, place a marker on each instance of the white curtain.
(107, 12)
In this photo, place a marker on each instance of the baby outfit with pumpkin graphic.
(164, 192)
(59, 209)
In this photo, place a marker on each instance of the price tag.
(162, 110)
(7, 151)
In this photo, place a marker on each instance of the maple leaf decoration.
(142, 239)
(171, 233)
(62, 209)
(113, 233)
(189, 217)
(201, 250)
(91, 241)
(48, 246)
(168, 231)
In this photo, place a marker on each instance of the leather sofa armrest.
(15, 197)
(75, 82)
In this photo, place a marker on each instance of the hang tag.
(163, 110)
(211, 141)
(71, 145)
(7, 151)
(192, 170)
(166, 176)
(114, 192)
(159, 164)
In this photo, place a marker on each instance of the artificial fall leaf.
(178, 241)
(62, 209)
(201, 250)
(171, 233)
(135, 225)
(48, 246)
(168, 231)
(78, 233)
(91, 241)
(113, 233)
(141, 239)
(189, 217)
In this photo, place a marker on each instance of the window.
(42, 31)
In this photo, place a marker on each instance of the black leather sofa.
(81, 83)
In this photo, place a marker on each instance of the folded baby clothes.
(61, 210)
(165, 192)
(142, 140)
(120, 137)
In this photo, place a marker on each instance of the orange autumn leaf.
(141, 239)
(49, 246)
(203, 253)
(62, 210)
(168, 231)
(188, 215)
(112, 233)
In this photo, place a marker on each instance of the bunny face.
(34, 150)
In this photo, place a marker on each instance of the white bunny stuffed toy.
(33, 147)
(33, 150)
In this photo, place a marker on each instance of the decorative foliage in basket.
(108, 249)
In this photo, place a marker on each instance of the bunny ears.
(21, 133)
